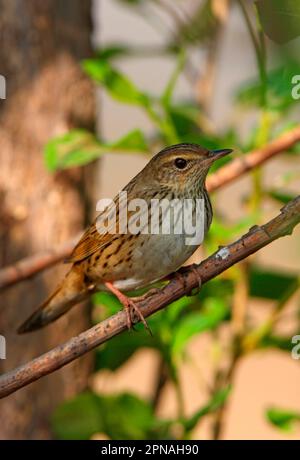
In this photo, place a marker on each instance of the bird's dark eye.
(180, 163)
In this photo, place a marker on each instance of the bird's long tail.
(72, 290)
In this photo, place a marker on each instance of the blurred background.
(94, 88)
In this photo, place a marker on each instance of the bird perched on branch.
(124, 260)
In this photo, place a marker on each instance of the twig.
(161, 380)
(257, 157)
(30, 266)
(257, 237)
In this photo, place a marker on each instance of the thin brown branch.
(257, 237)
(246, 163)
(30, 266)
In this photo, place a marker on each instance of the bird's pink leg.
(128, 305)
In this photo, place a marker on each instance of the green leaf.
(280, 19)
(110, 301)
(217, 287)
(269, 284)
(75, 148)
(274, 341)
(279, 88)
(185, 118)
(117, 84)
(282, 419)
(117, 351)
(281, 196)
(201, 26)
(176, 308)
(217, 401)
(79, 147)
(112, 51)
(223, 232)
(127, 417)
(122, 416)
(134, 140)
(79, 418)
(214, 312)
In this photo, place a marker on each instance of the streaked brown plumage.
(125, 262)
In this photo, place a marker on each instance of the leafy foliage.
(280, 19)
(212, 314)
(217, 401)
(278, 88)
(123, 416)
(79, 147)
(119, 86)
(269, 284)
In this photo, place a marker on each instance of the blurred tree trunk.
(42, 43)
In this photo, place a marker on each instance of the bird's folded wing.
(101, 233)
(91, 242)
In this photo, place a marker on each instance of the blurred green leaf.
(79, 418)
(222, 232)
(134, 140)
(79, 147)
(269, 284)
(185, 118)
(118, 85)
(75, 148)
(110, 301)
(213, 313)
(274, 341)
(201, 25)
(122, 416)
(281, 196)
(173, 312)
(113, 51)
(280, 19)
(279, 88)
(117, 351)
(282, 419)
(217, 287)
(217, 400)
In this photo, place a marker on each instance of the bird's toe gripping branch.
(180, 276)
(129, 306)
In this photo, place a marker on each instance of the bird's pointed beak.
(217, 154)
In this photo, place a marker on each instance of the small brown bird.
(125, 261)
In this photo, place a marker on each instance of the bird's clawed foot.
(130, 308)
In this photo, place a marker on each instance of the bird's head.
(183, 166)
